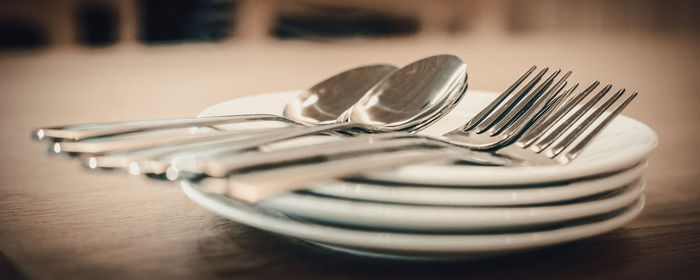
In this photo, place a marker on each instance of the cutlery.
(408, 100)
(538, 148)
(426, 90)
(496, 125)
(100, 146)
(260, 184)
(320, 104)
(437, 81)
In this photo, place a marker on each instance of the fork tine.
(523, 105)
(556, 103)
(587, 122)
(576, 150)
(525, 114)
(570, 120)
(540, 111)
(553, 103)
(554, 106)
(555, 114)
(501, 112)
(492, 106)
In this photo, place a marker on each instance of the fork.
(537, 147)
(545, 142)
(496, 125)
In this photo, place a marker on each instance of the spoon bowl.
(329, 99)
(413, 96)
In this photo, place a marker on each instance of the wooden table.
(59, 221)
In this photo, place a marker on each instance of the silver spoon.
(407, 100)
(320, 104)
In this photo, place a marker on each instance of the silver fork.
(496, 125)
(543, 143)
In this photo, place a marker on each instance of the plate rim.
(391, 242)
(469, 196)
(421, 218)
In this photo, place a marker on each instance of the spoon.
(320, 104)
(408, 100)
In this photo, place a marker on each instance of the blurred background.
(76, 61)
(367, 30)
(37, 24)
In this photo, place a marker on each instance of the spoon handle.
(223, 166)
(86, 131)
(135, 145)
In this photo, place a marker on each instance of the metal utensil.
(320, 104)
(494, 126)
(258, 185)
(157, 160)
(408, 100)
(313, 106)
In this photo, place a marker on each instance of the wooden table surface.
(58, 221)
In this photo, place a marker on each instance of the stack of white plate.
(455, 211)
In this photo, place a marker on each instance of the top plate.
(629, 140)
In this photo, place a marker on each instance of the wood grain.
(58, 221)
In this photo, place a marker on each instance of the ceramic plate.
(424, 218)
(469, 196)
(629, 140)
(408, 245)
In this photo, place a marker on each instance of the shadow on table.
(8, 270)
(241, 250)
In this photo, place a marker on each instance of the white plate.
(409, 245)
(627, 139)
(444, 218)
(466, 196)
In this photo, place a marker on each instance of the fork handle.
(223, 165)
(257, 186)
(85, 131)
(348, 147)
